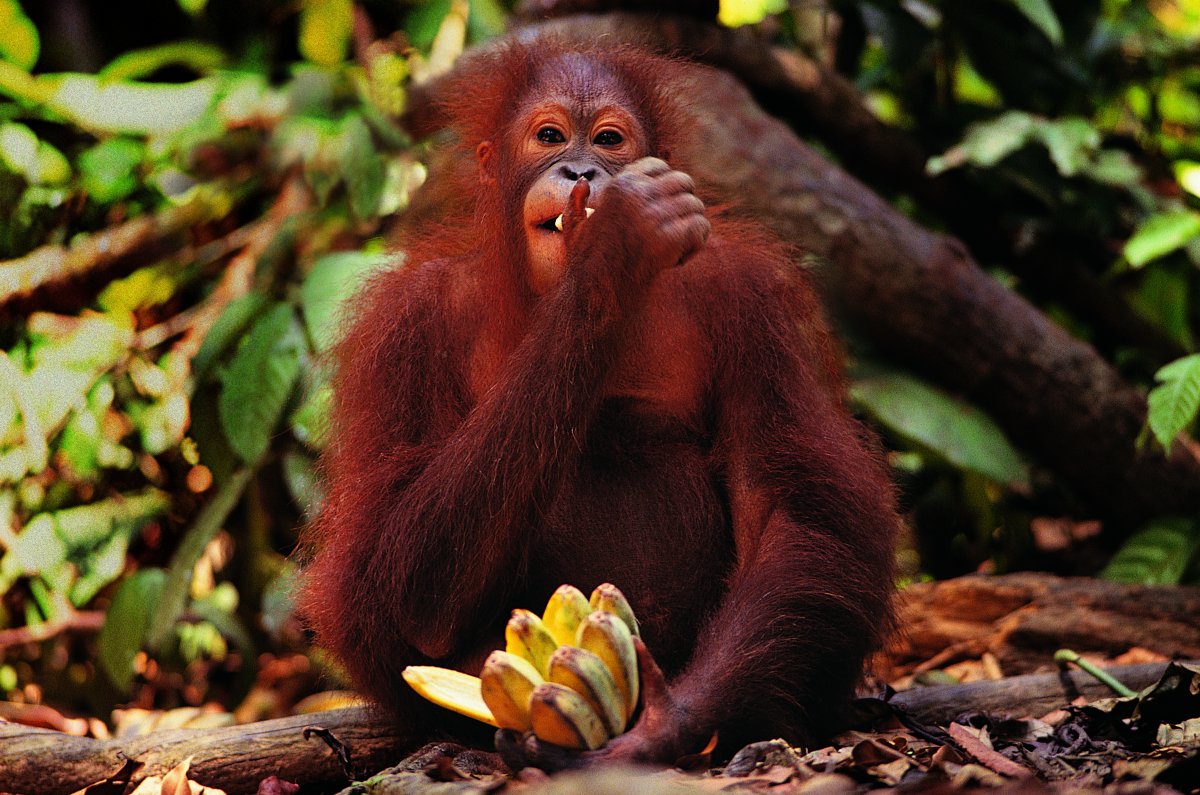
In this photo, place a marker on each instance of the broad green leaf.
(325, 28)
(198, 56)
(127, 624)
(108, 170)
(229, 326)
(193, 7)
(128, 107)
(364, 168)
(1160, 234)
(259, 381)
(987, 143)
(303, 483)
(19, 42)
(1072, 143)
(310, 422)
(1174, 404)
(1156, 555)
(735, 13)
(1041, 14)
(959, 433)
(1188, 174)
(333, 279)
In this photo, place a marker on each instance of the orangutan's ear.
(484, 153)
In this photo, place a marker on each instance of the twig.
(1068, 656)
(79, 621)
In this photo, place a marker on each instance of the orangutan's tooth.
(558, 224)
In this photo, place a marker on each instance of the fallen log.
(1022, 619)
(1029, 695)
(235, 759)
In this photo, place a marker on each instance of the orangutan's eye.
(607, 138)
(550, 135)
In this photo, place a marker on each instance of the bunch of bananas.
(570, 676)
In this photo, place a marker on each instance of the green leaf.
(1174, 404)
(198, 56)
(127, 624)
(735, 13)
(1187, 172)
(957, 432)
(325, 28)
(259, 381)
(128, 107)
(333, 279)
(1160, 234)
(229, 326)
(987, 143)
(1041, 14)
(1156, 555)
(193, 7)
(1072, 143)
(19, 42)
(108, 170)
(37, 548)
(364, 168)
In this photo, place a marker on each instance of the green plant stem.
(183, 562)
(1069, 656)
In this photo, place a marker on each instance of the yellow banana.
(506, 684)
(453, 690)
(587, 675)
(608, 597)
(608, 637)
(527, 637)
(561, 716)
(566, 608)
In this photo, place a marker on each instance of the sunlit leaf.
(959, 433)
(333, 279)
(126, 625)
(325, 28)
(1174, 403)
(987, 143)
(109, 169)
(1041, 14)
(1188, 174)
(1156, 555)
(38, 546)
(1072, 143)
(1160, 234)
(198, 56)
(193, 7)
(19, 42)
(735, 13)
(128, 107)
(259, 381)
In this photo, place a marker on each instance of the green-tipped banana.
(450, 689)
(527, 637)
(608, 597)
(587, 675)
(561, 716)
(506, 684)
(608, 637)
(566, 608)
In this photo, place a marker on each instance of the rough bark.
(1023, 619)
(41, 762)
(919, 295)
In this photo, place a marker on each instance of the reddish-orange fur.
(684, 440)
